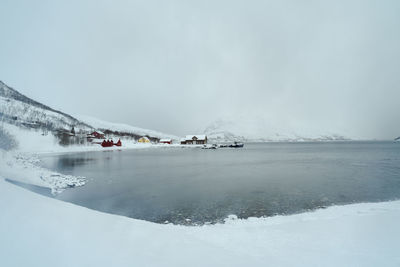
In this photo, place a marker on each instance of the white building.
(200, 139)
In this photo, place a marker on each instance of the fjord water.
(196, 186)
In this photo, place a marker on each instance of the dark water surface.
(196, 186)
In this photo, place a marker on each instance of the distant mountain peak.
(258, 131)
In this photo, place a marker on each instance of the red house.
(109, 143)
(97, 134)
(118, 143)
(166, 141)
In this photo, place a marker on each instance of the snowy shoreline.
(23, 166)
(50, 232)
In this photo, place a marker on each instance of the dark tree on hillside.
(7, 141)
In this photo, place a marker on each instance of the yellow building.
(144, 139)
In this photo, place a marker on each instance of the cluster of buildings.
(200, 139)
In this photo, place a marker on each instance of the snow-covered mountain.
(21, 111)
(258, 131)
(18, 109)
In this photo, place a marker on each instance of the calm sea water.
(196, 186)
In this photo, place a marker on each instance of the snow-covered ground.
(31, 141)
(40, 231)
(21, 163)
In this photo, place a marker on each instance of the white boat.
(213, 146)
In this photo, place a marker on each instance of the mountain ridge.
(22, 111)
(9, 92)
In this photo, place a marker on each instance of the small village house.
(165, 141)
(97, 135)
(200, 139)
(144, 139)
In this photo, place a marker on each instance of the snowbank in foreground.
(39, 231)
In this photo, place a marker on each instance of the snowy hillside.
(21, 111)
(259, 131)
(121, 127)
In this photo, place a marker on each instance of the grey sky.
(176, 66)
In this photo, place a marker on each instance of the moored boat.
(213, 146)
(236, 145)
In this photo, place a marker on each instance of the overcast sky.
(176, 66)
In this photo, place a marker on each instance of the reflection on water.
(68, 162)
(195, 186)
